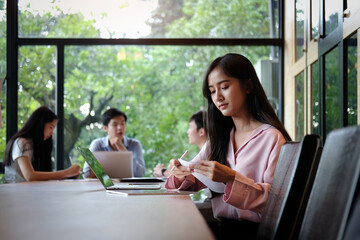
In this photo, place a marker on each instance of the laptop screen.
(117, 164)
(96, 167)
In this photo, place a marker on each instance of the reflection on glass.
(156, 87)
(3, 87)
(314, 18)
(332, 7)
(300, 21)
(352, 4)
(3, 124)
(352, 80)
(332, 96)
(300, 111)
(199, 197)
(267, 71)
(148, 19)
(315, 83)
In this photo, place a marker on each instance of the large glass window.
(314, 18)
(157, 88)
(332, 8)
(332, 90)
(315, 85)
(151, 18)
(300, 104)
(352, 80)
(300, 22)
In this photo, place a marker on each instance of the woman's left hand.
(213, 170)
(157, 170)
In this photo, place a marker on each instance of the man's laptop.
(117, 164)
(106, 180)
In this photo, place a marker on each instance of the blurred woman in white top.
(28, 152)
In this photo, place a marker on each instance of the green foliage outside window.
(352, 81)
(2, 76)
(315, 98)
(332, 91)
(300, 23)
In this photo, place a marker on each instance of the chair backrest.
(352, 230)
(305, 197)
(296, 162)
(334, 186)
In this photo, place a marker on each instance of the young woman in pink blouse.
(244, 142)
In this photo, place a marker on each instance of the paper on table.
(214, 186)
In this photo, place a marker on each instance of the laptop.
(105, 179)
(117, 164)
(144, 179)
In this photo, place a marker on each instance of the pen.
(182, 156)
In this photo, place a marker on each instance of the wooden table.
(83, 210)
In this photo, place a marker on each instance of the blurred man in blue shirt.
(114, 123)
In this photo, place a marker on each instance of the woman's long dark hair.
(218, 126)
(34, 130)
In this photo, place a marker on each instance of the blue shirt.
(131, 144)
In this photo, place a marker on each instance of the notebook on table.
(117, 164)
(104, 177)
(150, 192)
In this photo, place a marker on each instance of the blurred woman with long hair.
(28, 152)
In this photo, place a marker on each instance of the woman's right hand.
(178, 170)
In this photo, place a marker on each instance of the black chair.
(292, 179)
(334, 186)
(352, 231)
